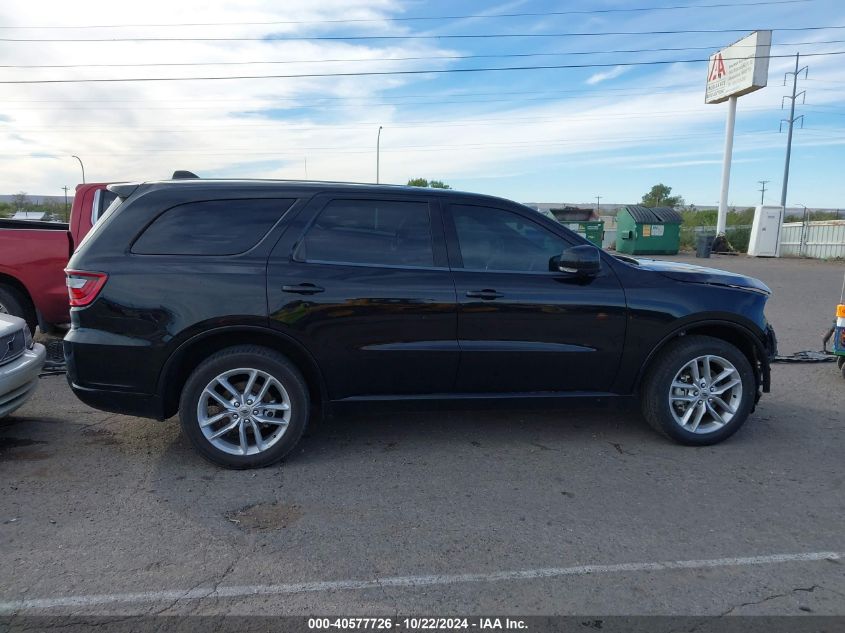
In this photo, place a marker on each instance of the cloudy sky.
(608, 128)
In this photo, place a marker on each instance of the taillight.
(83, 287)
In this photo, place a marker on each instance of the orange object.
(840, 310)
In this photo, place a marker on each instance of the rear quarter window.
(211, 227)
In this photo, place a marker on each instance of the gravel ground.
(122, 512)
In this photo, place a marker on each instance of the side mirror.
(582, 260)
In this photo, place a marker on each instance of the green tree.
(660, 196)
(423, 182)
(816, 216)
(21, 201)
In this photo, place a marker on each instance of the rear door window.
(374, 232)
(211, 227)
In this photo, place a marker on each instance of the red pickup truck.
(33, 256)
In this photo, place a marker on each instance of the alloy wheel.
(705, 394)
(244, 411)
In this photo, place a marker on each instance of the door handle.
(304, 289)
(487, 294)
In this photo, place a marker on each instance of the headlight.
(27, 338)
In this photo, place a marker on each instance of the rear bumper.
(19, 379)
(106, 397)
(142, 405)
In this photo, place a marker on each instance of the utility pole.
(67, 215)
(791, 120)
(598, 205)
(762, 191)
(378, 152)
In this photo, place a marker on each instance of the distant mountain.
(38, 199)
(612, 208)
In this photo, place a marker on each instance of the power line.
(306, 104)
(391, 59)
(420, 18)
(344, 38)
(825, 112)
(355, 101)
(822, 105)
(280, 124)
(430, 147)
(297, 152)
(374, 73)
(368, 101)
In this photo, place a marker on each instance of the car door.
(364, 284)
(524, 326)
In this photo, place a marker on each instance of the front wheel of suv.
(244, 407)
(699, 391)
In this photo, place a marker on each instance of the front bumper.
(771, 342)
(770, 346)
(19, 378)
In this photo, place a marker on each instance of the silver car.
(21, 360)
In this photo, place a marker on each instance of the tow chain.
(807, 356)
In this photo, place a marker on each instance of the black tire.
(12, 302)
(656, 388)
(250, 357)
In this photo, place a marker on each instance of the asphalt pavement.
(444, 512)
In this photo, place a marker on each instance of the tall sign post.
(734, 71)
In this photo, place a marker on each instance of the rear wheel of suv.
(700, 390)
(244, 407)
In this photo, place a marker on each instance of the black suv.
(247, 305)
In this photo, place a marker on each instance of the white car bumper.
(19, 378)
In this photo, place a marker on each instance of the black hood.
(698, 274)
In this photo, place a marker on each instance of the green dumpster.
(592, 230)
(648, 231)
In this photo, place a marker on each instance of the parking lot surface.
(443, 512)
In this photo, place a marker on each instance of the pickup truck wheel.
(244, 407)
(699, 391)
(11, 302)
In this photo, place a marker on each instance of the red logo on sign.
(718, 70)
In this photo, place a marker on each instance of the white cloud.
(607, 74)
(268, 128)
